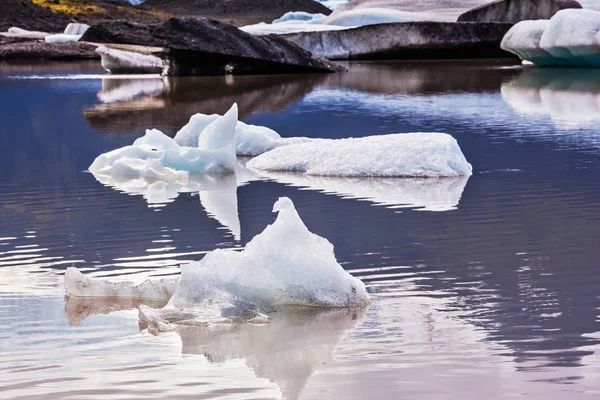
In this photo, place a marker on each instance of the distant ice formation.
(78, 285)
(15, 32)
(285, 265)
(62, 38)
(570, 38)
(157, 156)
(127, 62)
(75, 28)
(424, 155)
(298, 16)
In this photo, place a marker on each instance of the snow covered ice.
(78, 285)
(426, 155)
(286, 264)
(570, 38)
(157, 156)
(127, 62)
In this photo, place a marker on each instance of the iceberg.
(285, 265)
(298, 16)
(79, 285)
(157, 156)
(570, 38)
(75, 28)
(251, 140)
(127, 62)
(62, 38)
(418, 155)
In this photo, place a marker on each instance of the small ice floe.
(73, 32)
(417, 155)
(78, 285)
(157, 156)
(19, 33)
(285, 265)
(127, 62)
(571, 38)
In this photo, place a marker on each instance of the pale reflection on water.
(495, 295)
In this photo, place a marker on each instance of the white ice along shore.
(286, 264)
(416, 155)
(571, 38)
(127, 62)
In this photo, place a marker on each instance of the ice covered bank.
(286, 264)
(422, 155)
(157, 156)
(571, 38)
(127, 62)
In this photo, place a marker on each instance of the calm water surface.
(486, 286)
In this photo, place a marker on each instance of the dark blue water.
(496, 296)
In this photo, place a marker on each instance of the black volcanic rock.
(513, 11)
(199, 46)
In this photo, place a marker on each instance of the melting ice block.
(251, 140)
(570, 38)
(425, 155)
(78, 285)
(62, 38)
(127, 62)
(286, 264)
(157, 156)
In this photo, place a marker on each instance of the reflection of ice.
(218, 193)
(426, 194)
(563, 94)
(115, 89)
(286, 351)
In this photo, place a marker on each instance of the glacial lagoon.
(483, 286)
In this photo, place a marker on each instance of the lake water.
(481, 287)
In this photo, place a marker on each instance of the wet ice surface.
(493, 295)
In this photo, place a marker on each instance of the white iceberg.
(429, 194)
(79, 285)
(127, 62)
(19, 33)
(263, 28)
(285, 265)
(75, 28)
(157, 156)
(62, 38)
(424, 155)
(298, 16)
(251, 140)
(570, 38)
(375, 15)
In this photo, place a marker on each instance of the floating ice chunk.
(78, 285)
(299, 16)
(157, 156)
(570, 38)
(375, 15)
(286, 264)
(15, 32)
(425, 155)
(127, 62)
(62, 38)
(431, 194)
(263, 28)
(251, 140)
(76, 29)
(523, 39)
